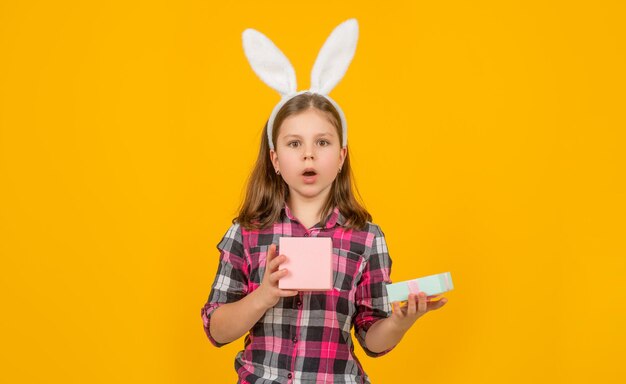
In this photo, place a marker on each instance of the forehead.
(308, 123)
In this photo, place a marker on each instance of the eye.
(324, 141)
(291, 142)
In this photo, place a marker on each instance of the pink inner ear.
(414, 287)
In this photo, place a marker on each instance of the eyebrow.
(299, 137)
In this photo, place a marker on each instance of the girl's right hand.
(268, 290)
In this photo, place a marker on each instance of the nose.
(308, 152)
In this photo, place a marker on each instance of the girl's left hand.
(404, 317)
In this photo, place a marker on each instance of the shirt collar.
(335, 216)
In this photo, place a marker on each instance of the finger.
(287, 293)
(272, 251)
(271, 254)
(401, 310)
(421, 304)
(411, 308)
(275, 276)
(437, 304)
(278, 260)
(396, 308)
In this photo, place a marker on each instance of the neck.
(308, 212)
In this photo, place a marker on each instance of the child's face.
(308, 140)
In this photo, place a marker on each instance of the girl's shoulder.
(234, 230)
(232, 238)
(243, 236)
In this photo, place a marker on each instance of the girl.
(301, 186)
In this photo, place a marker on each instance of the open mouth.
(309, 173)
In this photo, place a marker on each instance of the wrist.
(396, 327)
(257, 300)
(383, 335)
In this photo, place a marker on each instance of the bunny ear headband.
(273, 67)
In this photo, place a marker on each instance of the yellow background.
(487, 140)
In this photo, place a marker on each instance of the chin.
(312, 190)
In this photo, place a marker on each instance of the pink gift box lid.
(309, 262)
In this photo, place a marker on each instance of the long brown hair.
(266, 191)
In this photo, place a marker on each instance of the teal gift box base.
(431, 285)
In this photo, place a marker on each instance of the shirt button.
(295, 339)
(289, 375)
(299, 304)
(306, 234)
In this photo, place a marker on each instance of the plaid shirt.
(305, 338)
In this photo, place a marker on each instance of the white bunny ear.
(268, 62)
(335, 56)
